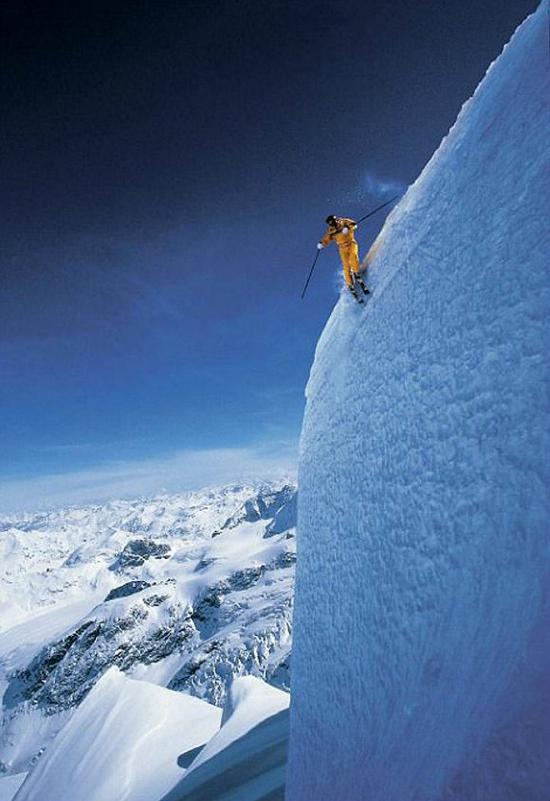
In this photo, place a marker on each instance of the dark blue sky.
(166, 170)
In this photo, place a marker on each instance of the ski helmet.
(331, 219)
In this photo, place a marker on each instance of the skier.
(341, 230)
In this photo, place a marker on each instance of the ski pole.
(387, 203)
(310, 273)
(378, 208)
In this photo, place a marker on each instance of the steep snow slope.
(183, 591)
(421, 632)
(246, 759)
(24, 733)
(249, 702)
(123, 742)
(9, 785)
(133, 741)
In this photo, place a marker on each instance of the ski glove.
(320, 246)
(345, 229)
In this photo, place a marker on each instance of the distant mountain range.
(187, 592)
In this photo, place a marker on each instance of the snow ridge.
(123, 742)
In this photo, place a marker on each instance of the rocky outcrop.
(136, 552)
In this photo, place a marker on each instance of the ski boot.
(358, 279)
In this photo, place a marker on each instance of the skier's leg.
(356, 267)
(353, 256)
(344, 255)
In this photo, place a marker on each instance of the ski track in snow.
(421, 628)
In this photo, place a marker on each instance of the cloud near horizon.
(176, 472)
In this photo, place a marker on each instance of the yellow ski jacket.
(337, 234)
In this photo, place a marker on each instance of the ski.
(361, 281)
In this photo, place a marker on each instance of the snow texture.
(123, 742)
(9, 785)
(421, 629)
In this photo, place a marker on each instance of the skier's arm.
(327, 238)
(348, 223)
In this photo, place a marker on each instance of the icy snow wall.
(421, 640)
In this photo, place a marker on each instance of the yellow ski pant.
(349, 253)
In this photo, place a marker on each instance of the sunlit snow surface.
(421, 651)
(133, 741)
(246, 759)
(123, 742)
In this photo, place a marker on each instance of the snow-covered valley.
(183, 594)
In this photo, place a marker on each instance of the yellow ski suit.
(343, 234)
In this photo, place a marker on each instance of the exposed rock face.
(136, 552)
(263, 506)
(129, 588)
(63, 672)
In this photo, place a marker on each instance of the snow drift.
(123, 742)
(421, 653)
(246, 759)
